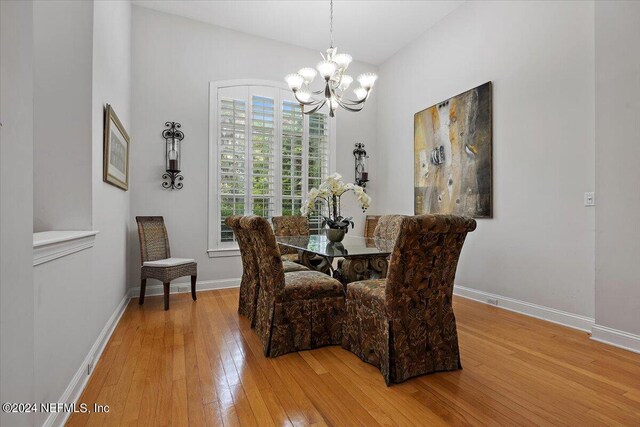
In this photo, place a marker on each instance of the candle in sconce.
(173, 165)
(365, 176)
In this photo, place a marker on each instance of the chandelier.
(332, 69)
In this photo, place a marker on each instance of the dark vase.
(335, 234)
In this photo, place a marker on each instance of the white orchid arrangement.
(330, 191)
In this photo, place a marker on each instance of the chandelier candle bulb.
(303, 95)
(345, 82)
(343, 60)
(308, 74)
(294, 81)
(327, 69)
(361, 93)
(367, 80)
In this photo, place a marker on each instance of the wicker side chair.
(250, 283)
(290, 226)
(155, 256)
(295, 311)
(405, 324)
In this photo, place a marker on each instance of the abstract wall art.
(453, 155)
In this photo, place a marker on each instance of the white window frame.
(215, 247)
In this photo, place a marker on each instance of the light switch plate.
(590, 198)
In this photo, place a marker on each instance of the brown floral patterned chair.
(405, 325)
(290, 226)
(249, 284)
(295, 311)
(388, 227)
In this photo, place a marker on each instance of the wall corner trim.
(50, 245)
(616, 338)
(553, 315)
(79, 381)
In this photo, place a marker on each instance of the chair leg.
(143, 287)
(166, 295)
(193, 287)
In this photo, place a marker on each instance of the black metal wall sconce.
(173, 138)
(362, 174)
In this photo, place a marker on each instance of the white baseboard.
(184, 287)
(560, 317)
(80, 379)
(616, 338)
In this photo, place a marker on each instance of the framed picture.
(116, 151)
(453, 155)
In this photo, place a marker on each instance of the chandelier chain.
(331, 23)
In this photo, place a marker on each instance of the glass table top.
(351, 246)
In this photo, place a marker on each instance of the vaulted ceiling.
(371, 31)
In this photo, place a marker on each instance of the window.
(265, 155)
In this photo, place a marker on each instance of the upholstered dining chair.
(388, 227)
(370, 223)
(155, 256)
(290, 226)
(405, 324)
(249, 284)
(295, 311)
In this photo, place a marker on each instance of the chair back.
(423, 267)
(370, 224)
(247, 252)
(268, 256)
(388, 227)
(290, 226)
(154, 240)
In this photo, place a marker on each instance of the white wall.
(62, 115)
(16, 208)
(539, 247)
(111, 85)
(174, 59)
(76, 295)
(617, 31)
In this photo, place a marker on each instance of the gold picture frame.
(115, 165)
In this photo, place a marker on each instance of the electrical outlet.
(90, 365)
(492, 301)
(590, 198)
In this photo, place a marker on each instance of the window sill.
(50, 245)
(222, 253)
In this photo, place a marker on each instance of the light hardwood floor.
(201, 364)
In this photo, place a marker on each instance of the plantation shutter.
(262, 158)
(292, 157)
(232, 151)
(317, 161)
(269, 155)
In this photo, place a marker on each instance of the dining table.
(354, 258)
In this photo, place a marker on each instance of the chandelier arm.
(349, 107)
(351, 102)
(316, 108)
